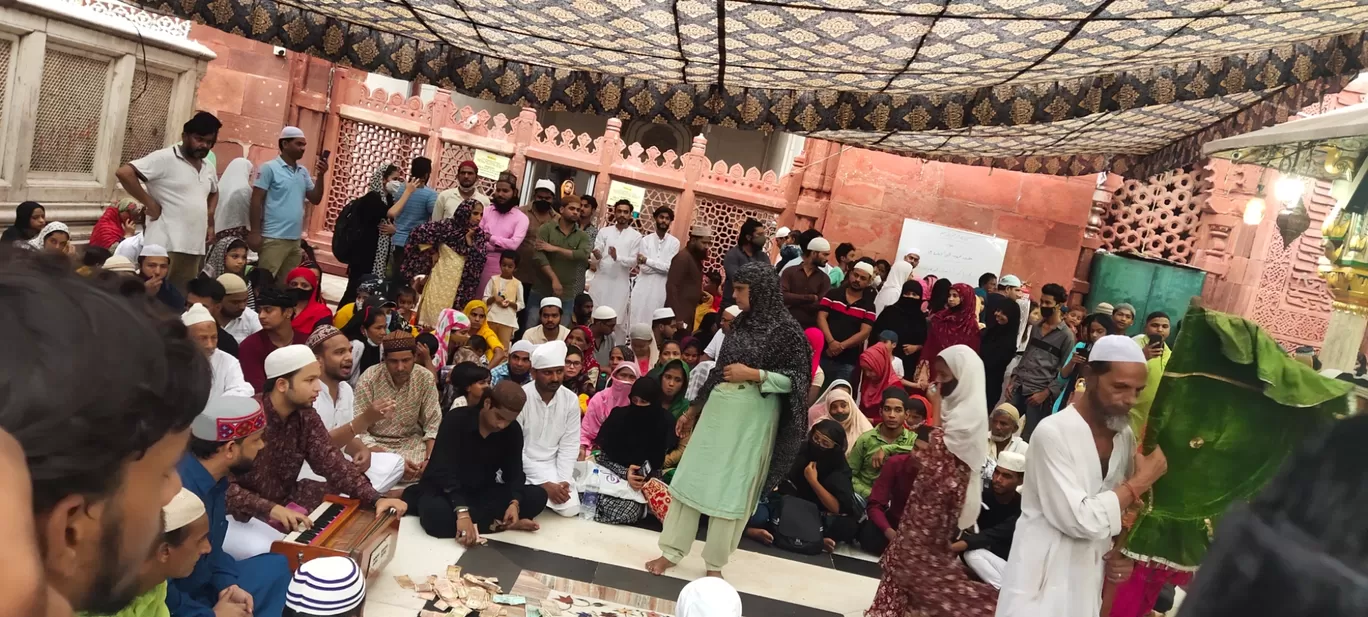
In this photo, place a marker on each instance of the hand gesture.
(291, 520)
(810, 472)
(230, 608)
(1154, 351)
(387, 228)
(584, 453)
(612, 252)
(1149, 468)
(321, 167)
(153, 285)
(130, 228)
(834, 348)
(467, 534)
(739, 373)
(597, 255)
(209, 236)
(878, 459)
(237, 594)
(634, 477)
(685, 425)
(385, 504)
(378, 410)
(413, 184)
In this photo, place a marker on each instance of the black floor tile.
(638, 580)
(554, 564)
(490, 561)
(764, 607)
(857, 566)
(821, 559)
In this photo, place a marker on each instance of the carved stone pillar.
(1092, 238)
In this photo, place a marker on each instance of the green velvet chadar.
(1231, 405)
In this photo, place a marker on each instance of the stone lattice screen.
(70, 111)
(644, 223)
(362, 149)
(452, 155)
(1157, 218)
(6, 53)
(725, 217)
(149, 102)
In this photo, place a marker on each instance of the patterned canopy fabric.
(1049, 86)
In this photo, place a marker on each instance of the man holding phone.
(277, 208)
(1157, 353)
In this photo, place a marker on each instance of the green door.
(1148, 285)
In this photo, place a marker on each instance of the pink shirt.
(506, 231)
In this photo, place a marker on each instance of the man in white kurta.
(1075, 492)
(551, 430)
(224, 369)
(616, 250)
(335, 406)
(653, 263)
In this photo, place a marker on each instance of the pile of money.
(457, 594)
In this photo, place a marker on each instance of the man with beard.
(805, 286)
(467, 175)
(551, 429)
(518, 369)
(335, 405)
(551, 328)
(153, 265)
(209, 292)
(749, 247)
(505, 224)
(1004, 431)
(224, 441)
(1084, 472)
(684, 282)
(846, 317)
(179, 192)
(277, 308)
(604, 323)
(226, 371)
(541, 211)
(297, 435)
(101, 438)
(653, 259)
(277, 207)
(562, 257)
(234, 316)
(986, 547)
(617, 249)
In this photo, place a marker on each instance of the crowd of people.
(490, 361)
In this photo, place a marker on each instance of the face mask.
(1046, 312)
(395, 188)
(541, 204)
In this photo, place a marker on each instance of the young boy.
(326, 587)
(405, 316)
(505, 297)
(890, 437)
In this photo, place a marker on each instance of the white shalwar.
(386, 468)
(648, 294)
(551, 441)
(1069, 516)
(227, 374)
(613, 283)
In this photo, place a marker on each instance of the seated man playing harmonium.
(295, 434)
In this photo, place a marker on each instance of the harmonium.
(341, 527)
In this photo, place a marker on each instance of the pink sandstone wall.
(1042, 217)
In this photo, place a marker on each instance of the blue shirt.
(196, 594)
(285, 188)
(417, 210)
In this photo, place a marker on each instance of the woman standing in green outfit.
(746, 427)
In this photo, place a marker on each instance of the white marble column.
(1343, 337)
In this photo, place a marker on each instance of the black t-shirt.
(844, 320)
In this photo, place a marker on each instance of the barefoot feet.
(829, 544)
(760, 535)
(525, 524)
(659, 565)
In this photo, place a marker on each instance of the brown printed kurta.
(417, 414)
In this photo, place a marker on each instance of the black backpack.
(796, 524)
(348, 232)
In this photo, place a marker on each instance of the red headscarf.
(952, 326)
(315, 310)
(877, 359)
(818, 342)
(590, 363)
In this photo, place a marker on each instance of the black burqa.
(997, 343)
(638, 435)
(833, 472)
(766, 337)
(906, 319)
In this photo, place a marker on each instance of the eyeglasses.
(823, 440)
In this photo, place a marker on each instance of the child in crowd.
(405, 316)
(505, 296)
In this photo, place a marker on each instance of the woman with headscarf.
(615, 395)
(371, 243)
(29, 219)
(940, 293)
(876, 375)
(998, 342)
(583, 338)
(232, 216)
(440, 250)
(894, 286)
(840, 406)
(449, 321)
(820, 408)
(115, 224)
(229, 256)
(477, 311)
(922, 575)
(820, 476)
(633, 440)
(906, 317)
(674, 383)
(747, 424)
(54, 238)
(956, 324)
(309, 307)
(365, 330)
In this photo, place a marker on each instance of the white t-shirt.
(183, 193)
(715, 345)
(335, 413)
(898, 367)
(246, 324)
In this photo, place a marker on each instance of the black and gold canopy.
(1049, 86)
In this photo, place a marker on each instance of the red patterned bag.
(657, 497)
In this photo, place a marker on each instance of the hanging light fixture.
(1288, 189)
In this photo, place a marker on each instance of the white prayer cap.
(662, 313)
(291, 132)
(119, 263)
(604, 312)
(232, 283)
(782, 232)
(196, 315)
(819, 245)
(552, 301)
(700, 230)
(1012, 461)
(1103, 308)
(326, 586)
(184, 509)
(524, 346)
(153, 250)
(865, 267)
(708, 597)
(641, 332)
(1009, 280)
(545, 184)
(733, 311)
(226, 418)
(913, 251)
(288, 359)
(1116, 348)
(550, 354)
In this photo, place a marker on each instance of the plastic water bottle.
(589, 498)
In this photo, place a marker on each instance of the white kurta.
(246, 324)
(648, 294)
(1069, 516)
(551, 441)
(386, 468)
(613, 282)
(227, 373)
